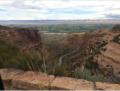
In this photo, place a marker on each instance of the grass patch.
(13, 57)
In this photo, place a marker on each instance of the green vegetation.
(13, 57)
(86, 74)
(73, 28)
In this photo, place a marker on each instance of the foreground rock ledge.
(20, 80)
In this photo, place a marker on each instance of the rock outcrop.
(20, 80)
(24, 38)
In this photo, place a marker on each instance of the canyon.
(38, 72)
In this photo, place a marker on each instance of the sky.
(59, 9)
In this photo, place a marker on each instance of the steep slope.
(17, 46)
(112, 55)
(21, 37)
(109, 57)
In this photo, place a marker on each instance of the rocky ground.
(20, 80)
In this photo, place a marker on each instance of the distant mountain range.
(48, 22)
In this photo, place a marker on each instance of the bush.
(86, 74)
(78, 73)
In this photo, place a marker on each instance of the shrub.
(116, 28)
(13, 57)
(86, 74)
(60, 71)
(117, 39)
(78, 73)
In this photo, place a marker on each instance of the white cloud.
(52, 9)
(6, 2)
(74, 3)
(22, 14)
(76, 16)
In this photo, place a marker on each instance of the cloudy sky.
(59, 9)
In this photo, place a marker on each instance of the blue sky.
(59, 9)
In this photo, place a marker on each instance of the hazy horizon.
(47, 22)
